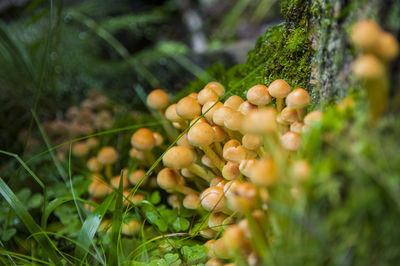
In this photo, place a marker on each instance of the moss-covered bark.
(311, 49)
(283, 52)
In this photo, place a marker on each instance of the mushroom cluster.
(228, 156)
(377, 48)
(93, 114)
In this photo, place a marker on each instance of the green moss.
(284, 51)
(280, 53)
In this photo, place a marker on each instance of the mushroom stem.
(279, 104)
(169, 129)
(108, 171)
(377, 93)
(185, 190)
(218, 148)
(300, 113)
(233, 134)
(213, 157)
(260, 152)
(201, 172)
(150, 159)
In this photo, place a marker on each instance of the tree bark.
(331, 22)
(311, 49)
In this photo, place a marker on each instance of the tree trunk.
(332, 20)
(311, 49)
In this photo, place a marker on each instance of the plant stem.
(215, 159)
(279, 104)
(201, 172)
(108, 171)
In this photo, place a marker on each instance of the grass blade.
(26, 167)
(43, 240)
(89, 228)
(113, 254)
(56, 203)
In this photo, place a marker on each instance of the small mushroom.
(213, 199)
(107, 156)
(259, 95)
(279, 89)
(157, 99)
(298, 99)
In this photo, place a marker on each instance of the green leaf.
(172, 259)
(90, 226)
(155, 197)
(35, 201)
(54, 204)
(48, 247)
(181, 224)
(152, 217)
(8, 234)
(113, 255)
(163, 226)
(195, 254)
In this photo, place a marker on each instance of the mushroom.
(214, 261)
(114, 182)
(220, 250)
(231, 171)
(171, 115)
(313, 117)
(136, 176)
(245, 107)
(92, 143)
(216, 87)
(261, 121)
(143, 139)
(97, 189)
(158, 139)
(170, 180)
(209, 108)
(291, 141)
(80, 149)
(259, 95)
(188, 108)
(174, 201)
(242, 197)
(297, 127)
(107, 156)
(365, 34)
(279, 89)
(202, 135)
(300, 169)
(298, 99)
(233, 238)
(131, 228)
(94, 165)
(219, 137)
(157, 99)
(233, 121)
(213, 199)
(264, 173)
(179, 157)
(191, 201)
(251, 141)
(210, 252)
(132, 198)
(368, 67)
(387, 46)
(234, 102)
(207, 94)
(218, 221)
